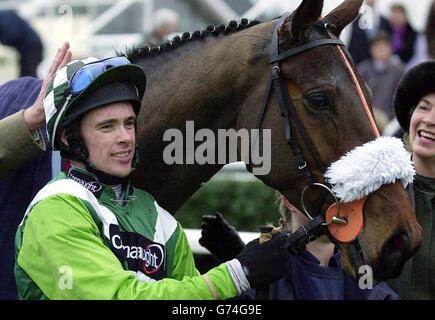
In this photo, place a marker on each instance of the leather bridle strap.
(285, 102)
(303, 48)
(360, 91)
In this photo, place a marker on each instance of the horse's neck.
(205, 80)
(202, 82)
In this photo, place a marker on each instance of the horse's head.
(330, 112)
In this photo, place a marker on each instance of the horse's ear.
(305, 15)
(341, 16)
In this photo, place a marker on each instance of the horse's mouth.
(385, 273)
(378, 272)
(394, 255)
(387, 264)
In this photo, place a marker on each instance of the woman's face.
(422, 129)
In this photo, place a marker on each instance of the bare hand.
(34, 116)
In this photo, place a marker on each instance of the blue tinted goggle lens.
(84, 76)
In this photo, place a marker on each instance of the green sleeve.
(184, 265)
(183, 261)
(63, 254)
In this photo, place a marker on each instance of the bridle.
(335, 222)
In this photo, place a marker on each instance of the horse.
(221, 78)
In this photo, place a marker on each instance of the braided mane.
(187, 37)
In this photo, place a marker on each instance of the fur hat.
(414, 85)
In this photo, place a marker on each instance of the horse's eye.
(319, 100)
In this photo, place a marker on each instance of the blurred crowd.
(383, 48)
(17, 33)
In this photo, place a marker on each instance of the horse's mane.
(233, 26)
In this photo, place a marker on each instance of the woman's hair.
(284, 223)
(406, 142)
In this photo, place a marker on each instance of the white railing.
(193, 236)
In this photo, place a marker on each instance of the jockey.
(89, 234)
(414, 105)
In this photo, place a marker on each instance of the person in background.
(402, 34)
(25, 162)
(430, 31)
(382, 73)
(364, 28)
(165, 26)
(414, 105)
(20, 132)
(16, 32)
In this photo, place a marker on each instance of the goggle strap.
(59, 116)
(121, 61)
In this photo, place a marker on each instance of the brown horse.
(218, 78)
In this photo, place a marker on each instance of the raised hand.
(34, 116)
(220, 237)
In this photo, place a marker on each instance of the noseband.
(335, 222)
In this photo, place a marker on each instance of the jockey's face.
(422, 130)
(109, 135)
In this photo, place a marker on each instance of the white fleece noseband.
(366, 168)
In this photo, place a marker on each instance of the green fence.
(246, 204)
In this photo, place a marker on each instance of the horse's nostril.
(400, 242)
(397, 248)
(395, 252)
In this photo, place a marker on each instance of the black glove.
(219, 237)
(265, 263)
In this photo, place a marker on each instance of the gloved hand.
(220, 237)
(265, 263)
